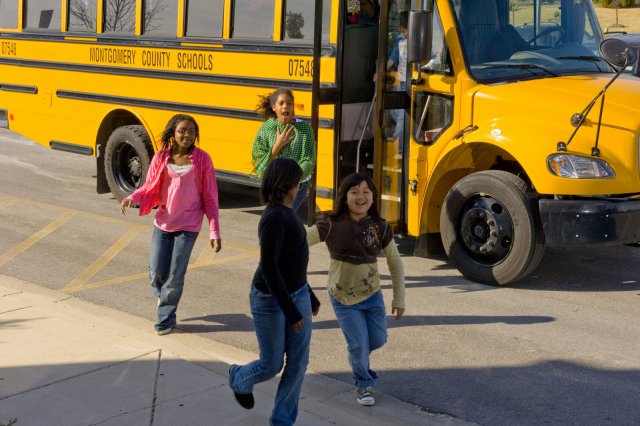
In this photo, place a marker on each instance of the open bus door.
(391, 131)
(373, 102)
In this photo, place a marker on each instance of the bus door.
(362, 35)
(393, 116)
(358, 54)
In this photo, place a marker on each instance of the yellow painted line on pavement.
(208, 257)
(208, 254)
(81, 280)
(145, 275)
(23, 246)
(227, 259)
(78, 213)
(6, 203)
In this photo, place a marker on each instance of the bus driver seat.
(480, 29)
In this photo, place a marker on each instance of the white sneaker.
(365, 396)
(164, 331)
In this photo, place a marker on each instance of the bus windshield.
(507, 40)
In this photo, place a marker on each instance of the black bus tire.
(490, 229)
(127, 158)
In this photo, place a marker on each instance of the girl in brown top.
(355, 235)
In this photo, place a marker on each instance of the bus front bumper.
(590, 222)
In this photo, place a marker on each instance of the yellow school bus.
(485, 123)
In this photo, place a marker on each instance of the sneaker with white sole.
(365, 396)
(164, 331)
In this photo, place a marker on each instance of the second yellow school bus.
(495, 141)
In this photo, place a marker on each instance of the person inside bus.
(368, 14)
(283, 135)
(398, 59)
(181, 182)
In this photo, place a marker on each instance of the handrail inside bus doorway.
(364, 128)
(315, 102)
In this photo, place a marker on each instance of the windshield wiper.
(584, 58)
(527, 67)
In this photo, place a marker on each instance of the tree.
(294, 25)
(83, 14)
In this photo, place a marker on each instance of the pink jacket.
(148, 195)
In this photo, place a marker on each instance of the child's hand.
(126, 202)
(216, 244)
(283, 139)
(398, 312)
(298, 326)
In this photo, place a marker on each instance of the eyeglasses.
(186, 132)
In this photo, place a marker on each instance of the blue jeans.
(170, 252)
(302, 192)
(277, 339)
(364, 326)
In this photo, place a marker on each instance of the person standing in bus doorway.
(284, 135)
(282, 302)
(398, 58)
(181, 182)
(368, 13)
(355, 235)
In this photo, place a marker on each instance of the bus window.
(119, 19)
(82, 15)
(433, 113)
(300, 18)
(253, 19)
(202, 18)
(42, 14)
(9, 14)
(160, 18)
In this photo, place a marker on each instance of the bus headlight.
(578, 167)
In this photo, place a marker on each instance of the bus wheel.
(490, 229)
(127, 158)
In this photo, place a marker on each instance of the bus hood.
(547, 105)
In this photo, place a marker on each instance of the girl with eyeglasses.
(181, 182)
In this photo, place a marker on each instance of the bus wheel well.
(113, 120)
(428, 243)
(511, 166)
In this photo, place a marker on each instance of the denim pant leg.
(167, 268)
(159, 259)
(269, 322)
(376, 316)
(285, 410)
(300, 196)
(275, 338)
(364, 327)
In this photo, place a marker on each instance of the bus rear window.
(9, 14)
(42, 14)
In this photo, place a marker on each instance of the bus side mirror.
(420, 33)
(623, 51)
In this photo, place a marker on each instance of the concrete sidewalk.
(65, 361)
